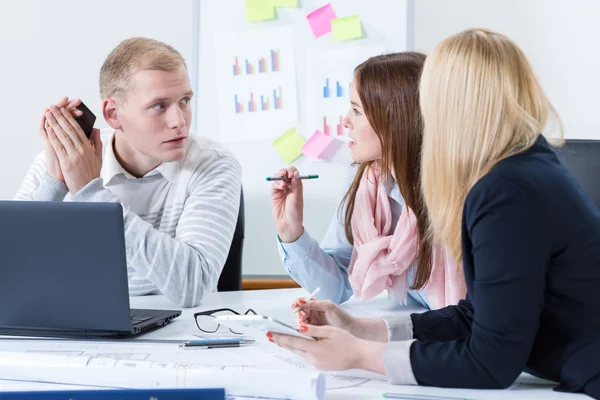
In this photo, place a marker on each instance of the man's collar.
(111, 166)
(169, 170)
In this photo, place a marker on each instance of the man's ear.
(111, 116)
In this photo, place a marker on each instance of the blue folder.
(125, 394)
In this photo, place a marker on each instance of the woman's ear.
(111, 116)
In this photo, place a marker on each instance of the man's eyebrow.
(163, 99)
(158, 100)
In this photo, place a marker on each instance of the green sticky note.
(346, 28)
(289, 145)
(259, 10)
(284, 3)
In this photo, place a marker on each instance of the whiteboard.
(384, 25)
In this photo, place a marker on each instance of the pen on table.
(308, 298)
(402, 396)
(285, 178)
(216, 344)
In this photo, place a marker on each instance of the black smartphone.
(86, 120)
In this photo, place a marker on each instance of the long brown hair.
(388, 87)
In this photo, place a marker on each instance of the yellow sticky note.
(259, 10)
(284, 3)
(346, 28)
(289, 145)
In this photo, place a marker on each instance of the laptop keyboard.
(138, 319)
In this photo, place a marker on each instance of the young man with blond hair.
(180, 195)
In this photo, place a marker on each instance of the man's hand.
(80, 159)
(52, 164)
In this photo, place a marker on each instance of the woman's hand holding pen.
(287, 204)
(322, 312)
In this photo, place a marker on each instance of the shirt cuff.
(301, 247)
(50, 189)
(397, 364)
(94, 191)
(399, 327)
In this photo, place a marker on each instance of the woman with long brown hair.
(379, 239)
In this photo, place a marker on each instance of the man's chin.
(173, 155)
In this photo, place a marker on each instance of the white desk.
(277, 303)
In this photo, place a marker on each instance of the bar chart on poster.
(257, 83)
(329, 83)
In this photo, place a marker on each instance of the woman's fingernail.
(302, 301)
(271, 340)
(294, 305)
(269, 335)
(303, 328)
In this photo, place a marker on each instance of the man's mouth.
(176, 140)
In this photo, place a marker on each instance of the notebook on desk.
(63, 272)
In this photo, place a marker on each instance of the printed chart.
(257, 83)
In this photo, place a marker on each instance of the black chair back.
(582, 159)
(231, 276)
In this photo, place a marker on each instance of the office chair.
(582, 159)
(231, 276)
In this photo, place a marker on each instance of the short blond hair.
(134, 55)
(481, 103)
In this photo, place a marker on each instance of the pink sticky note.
(320, 20)
(317, 146)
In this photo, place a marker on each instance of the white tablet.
(249, 324)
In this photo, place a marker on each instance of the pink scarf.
(381, 258)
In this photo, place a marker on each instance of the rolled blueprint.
(128, 374)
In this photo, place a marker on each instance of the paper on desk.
(7, 385)
(132, 374)
(267, 371)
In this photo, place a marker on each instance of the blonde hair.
(481, 103)
(131, 56)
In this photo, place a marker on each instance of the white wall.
(54, 48)
(559, 37)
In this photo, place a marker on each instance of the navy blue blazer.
(531, 256)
